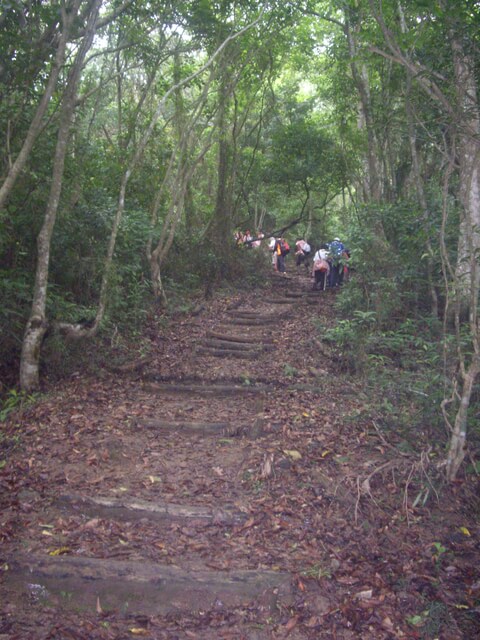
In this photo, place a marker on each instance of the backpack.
(284, 248)
(320, 265)
(336, 249)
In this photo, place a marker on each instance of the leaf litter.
(315, 493)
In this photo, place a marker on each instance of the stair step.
(133, 587)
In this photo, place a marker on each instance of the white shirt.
(322, 254)
(304, 246)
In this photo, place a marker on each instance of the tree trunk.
(37, 322)
(420, 189)
(223, 198)
(373, 182)
(456, 449)
(468, 126)
(221, 228)
(37, 121)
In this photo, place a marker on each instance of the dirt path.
(217, 492)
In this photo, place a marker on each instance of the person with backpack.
(336, 249)
(302, 252)
(321, 268)
(272, 244)
(282, 249)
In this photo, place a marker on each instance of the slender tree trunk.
(456, 449)
(467, 269)
(37, 322)
(68, 16)
(419, 183)
(373, 183)
(223, 200)
(179, 188)
(420, 189)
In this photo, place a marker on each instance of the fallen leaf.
(387, 624)
(59, 552)
(301, 586)
(465, 531)
(139, 631)
(346, 579)
(314, 621)
(291, 624)
(266, 468)
(249, 523)
(292, 453)
(364, 595)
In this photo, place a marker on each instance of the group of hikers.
(329, 266)
(248, 240)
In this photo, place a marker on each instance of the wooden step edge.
(133, 509)
(250, 354)
(203, 428)
(216, 335)
(134, 587)
(207, 390)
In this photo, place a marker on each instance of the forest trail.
(225, 490)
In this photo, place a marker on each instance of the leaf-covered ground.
(262, 453)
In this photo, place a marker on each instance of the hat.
(336, 239)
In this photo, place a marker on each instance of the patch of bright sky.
(306, 90)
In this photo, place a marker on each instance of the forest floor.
(230, 485)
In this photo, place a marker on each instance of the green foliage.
(195, 263)
(303, 156)
(401, 354)
(289, 371)
(15, 293)
(351, 337)
(13, 401)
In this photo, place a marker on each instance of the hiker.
(321, 268)
(258, 241)
(336, 249)
(271, 247)
(302, 252)
(282, 249)
(247, 239)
